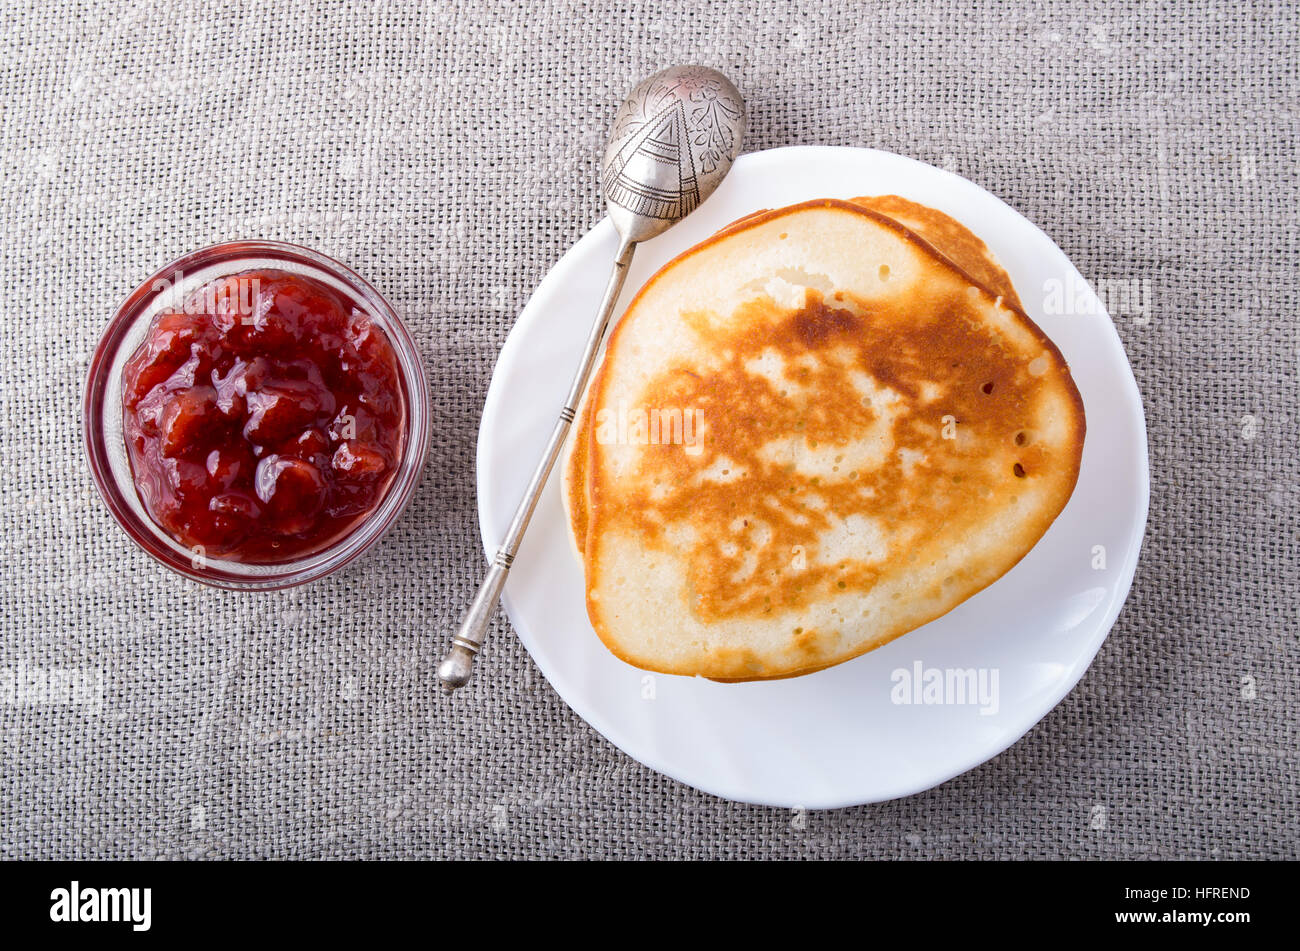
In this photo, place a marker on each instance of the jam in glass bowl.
(256, 415)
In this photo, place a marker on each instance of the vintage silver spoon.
(672, 142)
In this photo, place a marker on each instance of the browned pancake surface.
(927, 360)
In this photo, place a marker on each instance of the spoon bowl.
(672, 142)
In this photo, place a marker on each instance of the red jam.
(264, 420)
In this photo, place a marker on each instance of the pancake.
(950, 238)
(946, 236)
(881, 432)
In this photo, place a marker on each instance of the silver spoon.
(672, 142)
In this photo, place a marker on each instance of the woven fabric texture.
(448, 152)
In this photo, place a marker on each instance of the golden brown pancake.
(946, 236)
(952, 239)
(883, 433)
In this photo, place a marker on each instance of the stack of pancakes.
(819, 429)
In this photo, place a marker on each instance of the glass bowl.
(102, 422)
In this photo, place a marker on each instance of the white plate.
(837, 737)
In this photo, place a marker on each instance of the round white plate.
(838, 737)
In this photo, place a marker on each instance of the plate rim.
(1015, 731)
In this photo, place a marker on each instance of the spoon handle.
(458, 664)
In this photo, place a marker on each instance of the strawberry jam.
(264, 419)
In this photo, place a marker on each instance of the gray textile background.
(447, 151)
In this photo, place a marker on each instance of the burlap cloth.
(448, 152)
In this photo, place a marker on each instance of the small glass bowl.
(102, 413)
